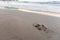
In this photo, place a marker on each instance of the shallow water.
(33, 6)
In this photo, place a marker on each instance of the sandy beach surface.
(18, 25)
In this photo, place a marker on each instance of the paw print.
(40, 27)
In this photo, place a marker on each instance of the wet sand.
(17, 25)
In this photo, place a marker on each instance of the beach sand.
(18, 25)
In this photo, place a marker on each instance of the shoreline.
(35, 11)
(42, 12)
